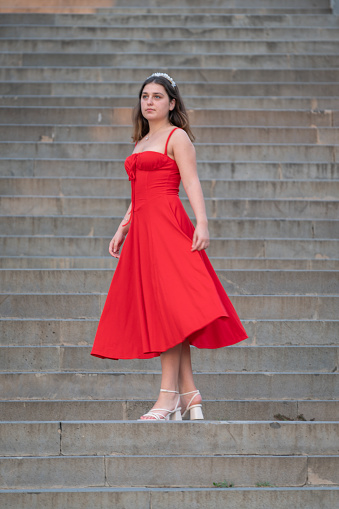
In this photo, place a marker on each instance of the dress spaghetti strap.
(170, 134)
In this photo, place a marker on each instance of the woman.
(165, 295)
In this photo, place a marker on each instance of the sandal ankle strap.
(166, 390)
(191, 392)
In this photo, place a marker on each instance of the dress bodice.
(152, 174)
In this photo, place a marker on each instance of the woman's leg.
(170, 364)
(186, 381)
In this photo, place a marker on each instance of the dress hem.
(150, 355)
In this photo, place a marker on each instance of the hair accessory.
(165, 76)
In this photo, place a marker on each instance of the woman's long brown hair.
(178, 116)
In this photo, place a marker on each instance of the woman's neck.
(157, 126)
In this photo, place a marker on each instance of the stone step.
(172, 45)
(226, 152)
(305, 359)
(300, 249)
(212, 188)
(162, 498)
(139, 31)
(215, 207)
(166, 19)
(20, 81)
(249, 307)
(132, 78)
(224, 386)
(78, 10)
(284, 104)
(114, 438)
(235, 282)
(69, 226)
(237, 170)
(65, 332)
(203, 134)
(78, 262)
(166, 471)
(325, 60)
(106, 116)
(129, 410)
(99, 4)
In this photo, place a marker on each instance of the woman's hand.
(116, 243)
(201, 238)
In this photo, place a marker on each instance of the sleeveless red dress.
(161, 292)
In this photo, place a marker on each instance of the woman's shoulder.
(180, 144)
(180, 135)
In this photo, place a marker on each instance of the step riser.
(320, 190)
(282, 359)
(249, 307)
(213, 152)
(51, 332)
(21, 262)
(168, 20)
(222, 188)
(92, 134)
(218, 208)
(208, 169)
(283, 104)
(237, 228)
(222, 439)
(67, 83)
(233, 248)
(202, 79)
(166, 471)
(105, 46)
(186, 78)
(234, 282)
(257, 61)
(114, 4)
(104, 386)
(122, 116)
(132, 410)
(210, 499)
(78, 10)
(179, 32)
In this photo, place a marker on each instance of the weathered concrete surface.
(59, 410)
(189, 498)
(105, 386)
(186, 438)
(306, 359)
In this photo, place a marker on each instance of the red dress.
(161, 292)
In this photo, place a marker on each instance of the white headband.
(165, 76)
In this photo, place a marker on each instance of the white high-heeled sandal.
(157, 415)
(195, 410)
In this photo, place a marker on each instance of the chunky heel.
(196, 413)
(176, 416)
(194, 410)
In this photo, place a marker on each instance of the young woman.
(165, 295)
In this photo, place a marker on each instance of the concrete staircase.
(261, 81)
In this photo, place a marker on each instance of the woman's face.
(155, 103)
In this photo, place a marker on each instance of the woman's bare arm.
(120, 234)
(184, 155)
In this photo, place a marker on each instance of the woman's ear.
(172, 105)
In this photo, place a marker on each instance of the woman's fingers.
(114, 248)
(199, 243)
